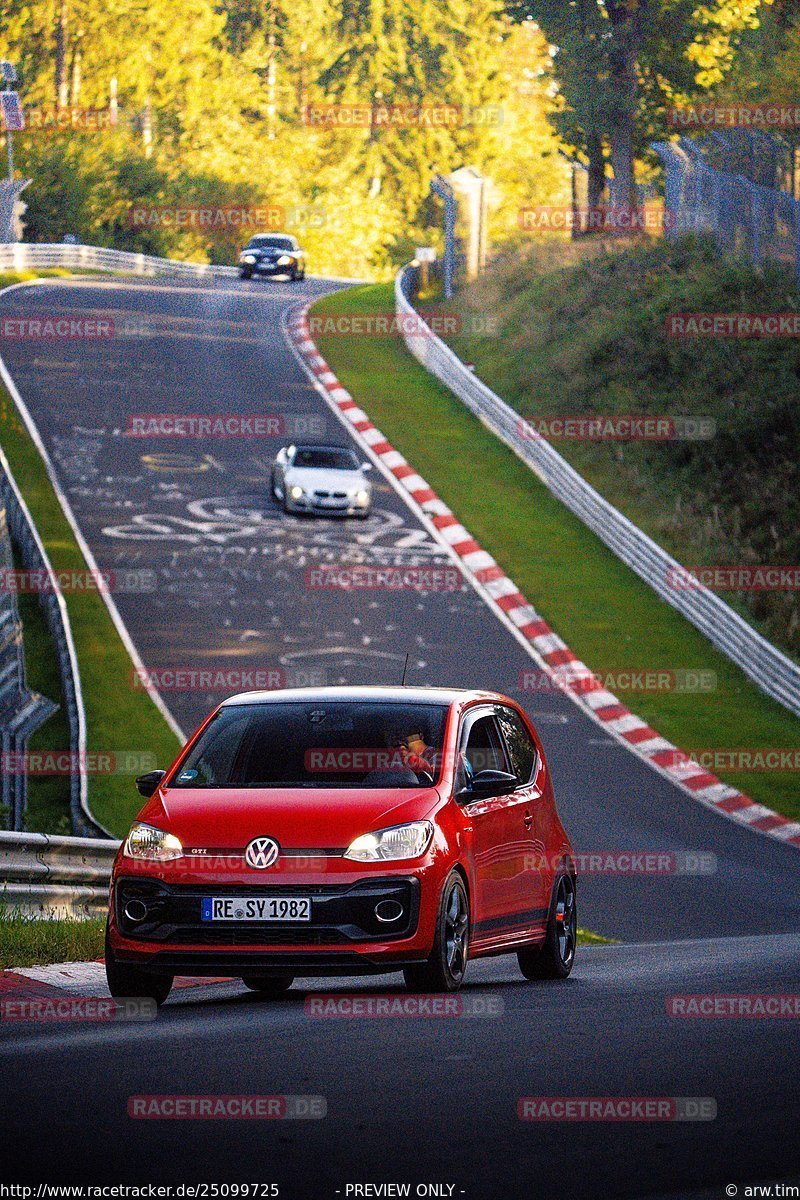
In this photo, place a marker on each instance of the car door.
(497, 844)
(529, 815)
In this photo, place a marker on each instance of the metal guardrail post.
(441, 188)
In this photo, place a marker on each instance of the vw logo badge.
(261, 853)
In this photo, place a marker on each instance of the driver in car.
(414, 752)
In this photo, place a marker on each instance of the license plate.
(256, 908)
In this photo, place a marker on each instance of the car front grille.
(339, 913)
(298, 935)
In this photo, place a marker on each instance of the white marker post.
(425, 255)
(13, 116)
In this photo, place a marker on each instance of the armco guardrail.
(58, 876)
(23, 256)
(35, 558)
(762, 662)
(30, 256)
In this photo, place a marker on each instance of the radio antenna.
(405, 668)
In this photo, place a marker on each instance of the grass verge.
(610, 618)
(118, 718)
(35, 941)
(27, 941)
(585, 330)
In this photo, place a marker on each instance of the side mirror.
(147, 784)
(487, 784)
(366, 466)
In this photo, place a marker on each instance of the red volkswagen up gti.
(345, 831)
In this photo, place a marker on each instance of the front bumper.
(334, 506)
(345, 936)
(269, 268)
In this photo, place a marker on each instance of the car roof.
(321, 446)
(271, 233)
(408, 695)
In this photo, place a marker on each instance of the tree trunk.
(62, 75)
(621, 145)
(597, 170)
(75, 74)
(627, 21)
(271, 77)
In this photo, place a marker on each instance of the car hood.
(298, 818)
(322, 477)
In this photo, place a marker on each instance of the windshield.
(276, 240)
(327, 457)
(318, 744)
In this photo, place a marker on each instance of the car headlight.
(145, 841)
(362, 497)
(248, 258)
(284, 260)
(401, 841)
(296, 492)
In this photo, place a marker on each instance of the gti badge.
(261, 853)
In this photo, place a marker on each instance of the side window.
(521, 749)
(482, 748)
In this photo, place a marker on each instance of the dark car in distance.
(272, 254)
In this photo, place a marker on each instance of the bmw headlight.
(284, 260)
(362, 497)
(401, 841)
(296, 492)
(248, 258)
(147, 842)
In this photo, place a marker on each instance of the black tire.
(444, 970)
(245, 274)
(126, 979)
(554, 958)
(273, 488)
(270, 987)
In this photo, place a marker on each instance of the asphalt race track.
(408, 1101)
